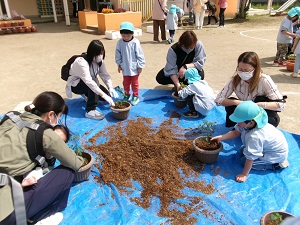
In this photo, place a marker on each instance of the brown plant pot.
(22, 30)
(179, 102)
(179, 24)
(191, 23)
(266, 217)
(9, 31)
(290, 65)
(206, 156)
(121, 114)
(7, 24)
(21, 23)
(83, 173)
(185, 23)
(15, 30)
(28, 29)
(13, 24)
(33, 29)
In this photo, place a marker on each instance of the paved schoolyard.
(30, 63)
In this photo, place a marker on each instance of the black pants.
(162, 79)
(47, 197)
(74, 9)
(189, 100)
(273, 117)
(221, 15)
(93, 98)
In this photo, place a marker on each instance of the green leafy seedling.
(276, 217)
(207, 129)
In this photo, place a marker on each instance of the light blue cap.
(192, 75)
(294, 12)
(127, 26)
(172, 9)
(177, 9)
(248, 110)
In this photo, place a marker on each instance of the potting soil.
(145, 172)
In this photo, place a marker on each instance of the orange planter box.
(86, 19)
(112, 21)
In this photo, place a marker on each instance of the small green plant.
(276, 217)
(291, 57)
(75, 145)
(207, 129)
(182, 85)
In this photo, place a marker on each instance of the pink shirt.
(223, 4)
(157, 13)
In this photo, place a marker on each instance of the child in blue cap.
(285, 36)
(172, 20)
(264, 146)
(199, 95)
(130, 60)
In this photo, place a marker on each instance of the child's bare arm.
(230, 135)
(288, 33)
(243, 176)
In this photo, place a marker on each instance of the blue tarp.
(231, 203)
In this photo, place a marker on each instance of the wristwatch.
(185, 67)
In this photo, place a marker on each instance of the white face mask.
(54, 124)
(245, 75)
(98, 58)
(188, 51)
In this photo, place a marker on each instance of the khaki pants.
(159, 24)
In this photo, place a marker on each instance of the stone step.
(89, 31)
(92, 27)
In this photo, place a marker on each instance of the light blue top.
(204, 98)
(171, 20)
(287, 25)
(130, 56)
(267, 144)
(297, 49)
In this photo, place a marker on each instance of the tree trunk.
(243, 8)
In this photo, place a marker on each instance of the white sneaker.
(295, 75)
(84, 97)
(54, 219)
(94, 114)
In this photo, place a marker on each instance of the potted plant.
(207, 151)
(274, 217)
(121, 110)
(191, 22)
(179, 102)
(290, 62)
(85, 170)
(185, 22)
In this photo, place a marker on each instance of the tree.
(243, 8)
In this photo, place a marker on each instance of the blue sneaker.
(126, 98)
(135, 100)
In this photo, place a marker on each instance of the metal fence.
(144, 6)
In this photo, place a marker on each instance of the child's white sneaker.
(295, 75)
(54, 219)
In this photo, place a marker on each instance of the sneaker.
(220, 26)
(284, 164)
(126, 98)
(54, 219)
(135, 100)
(295, 75)
(190, 114)
(94, 114)
(169, 40)
(84, 97)
(282, 63)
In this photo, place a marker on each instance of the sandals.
(190, 114)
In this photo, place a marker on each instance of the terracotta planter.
(179, 102)
(22, 30)
(15, 30)
(21, 23)
(191, 23)
(121, 114)
(13, 24)
(185, 23)
(2, 31)
(290, 65)
(9, 31)
(83, 173)
(179, 24)
(33, 29)
(7, 24)
(266, 217)
(206, 156)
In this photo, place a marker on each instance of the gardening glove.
(113, 93)
(108, 99)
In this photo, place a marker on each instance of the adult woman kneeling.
(249, 83)
(49, 194)
(83, 80)
(188, 52)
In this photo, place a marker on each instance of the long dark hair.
(94, 49)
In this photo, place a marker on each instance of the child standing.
(264, 146)
(199, 10)
(130, 60)
(212, 9)
(285, 36)
(296, 50)
(172, 20)
(199, 95)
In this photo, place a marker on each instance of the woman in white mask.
(83, 80)
(249, 83)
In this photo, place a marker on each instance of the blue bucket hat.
(294, 11)
(127, 26)
(172, 9)
(192, 75)
(248, 110)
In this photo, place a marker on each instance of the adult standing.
(223, 4)
(199, 10)
(83, 79)
(49, 194)
(159, 16)
(75, 8)
(188, 52)
(249, 83)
